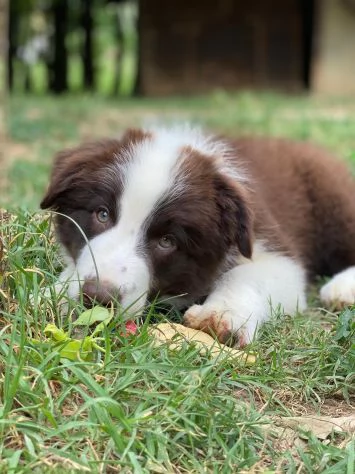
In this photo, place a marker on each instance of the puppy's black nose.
(101, 292)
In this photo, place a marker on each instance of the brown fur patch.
(308, 199)
(210, 217)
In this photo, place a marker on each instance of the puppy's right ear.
(61, 178)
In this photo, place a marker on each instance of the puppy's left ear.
(236, 215)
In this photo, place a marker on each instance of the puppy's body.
(238, 225)
(309, 198)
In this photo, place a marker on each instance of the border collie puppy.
(224, 229)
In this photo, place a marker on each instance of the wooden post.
(4, 11)
(3, 94)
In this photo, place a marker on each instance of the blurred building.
(194, 46)
(333, 61)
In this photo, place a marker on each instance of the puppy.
(224, 229)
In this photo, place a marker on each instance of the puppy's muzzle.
(99, 292)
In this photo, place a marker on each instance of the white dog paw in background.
(340, 290)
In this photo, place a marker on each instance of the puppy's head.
(161, 212)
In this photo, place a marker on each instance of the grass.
(136, 407)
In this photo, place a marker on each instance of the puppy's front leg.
(245, 295)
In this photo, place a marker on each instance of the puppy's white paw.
(340, 290)
(217, 320)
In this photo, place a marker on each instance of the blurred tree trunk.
(137, 88)
(87, 52)
(12, 38)
(58, 79)
(4, 18)
(119, 40)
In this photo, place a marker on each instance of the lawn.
(119, 403)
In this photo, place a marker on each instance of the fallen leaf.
(55, 333)
(75, 349)
(93, 315)
(320, 426)
(176, 334)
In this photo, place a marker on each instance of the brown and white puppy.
(229, 229)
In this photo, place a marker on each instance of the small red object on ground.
(131, 327)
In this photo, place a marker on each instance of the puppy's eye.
(167, 242)
(102, 215)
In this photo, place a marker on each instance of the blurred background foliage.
(178, 47)
(72, 45)
(78, 70)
